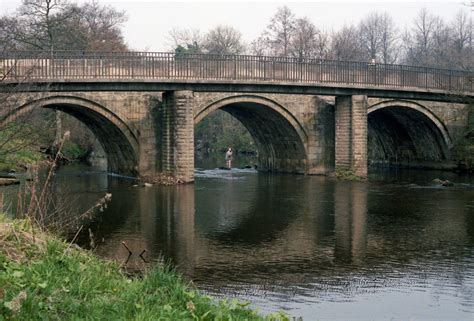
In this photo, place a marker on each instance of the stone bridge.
(306, 117)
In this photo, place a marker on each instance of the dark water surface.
(394, 248)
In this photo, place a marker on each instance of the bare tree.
(462, 35)
(369, 34)
(259, 47)
(388, 39)
(345, 45)
(420, 40)
(187, 39)
(223, 40)
(280, 31)
(439, 55)
(304, 42)
(378, 36)
(323, 45)
(99, 27)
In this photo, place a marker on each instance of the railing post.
(168, 64)
(375, 74)
(450, 76)
(235, 66)
(426, 77)
(273, 67)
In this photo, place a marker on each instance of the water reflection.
(350, 216)
(393, 248)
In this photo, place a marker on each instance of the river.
(397, 247)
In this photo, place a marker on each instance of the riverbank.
(42, 277)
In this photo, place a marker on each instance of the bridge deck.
(160, 71)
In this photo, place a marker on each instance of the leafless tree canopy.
(61, 25)
(428, 41)
(223, 40)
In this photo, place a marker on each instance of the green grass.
(73, 151)
(18, 151)
(46, 279)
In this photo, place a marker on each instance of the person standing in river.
(228, 158)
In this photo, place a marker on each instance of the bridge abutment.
(351, 134)
(178, 135)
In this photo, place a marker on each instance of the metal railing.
(69, 65)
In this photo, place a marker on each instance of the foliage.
(220, 130)
(42, 277)
(72, 151)
(189, 49)
(21, 141)
(19, 147)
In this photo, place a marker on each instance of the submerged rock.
(441, 182)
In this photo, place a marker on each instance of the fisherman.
(228, 158)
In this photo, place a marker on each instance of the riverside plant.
(48, 210)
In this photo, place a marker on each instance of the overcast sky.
(150, 21)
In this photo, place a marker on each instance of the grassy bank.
(42, 277)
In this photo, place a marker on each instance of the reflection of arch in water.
(250, 211)
(118, 139)
(406, 133)
(280, 138)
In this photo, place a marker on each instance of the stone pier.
(178, 135)
(351, 134)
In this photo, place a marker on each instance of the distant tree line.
(429, 41)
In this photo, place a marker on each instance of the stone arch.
(118, 139)
(280, 138)
(406, 133)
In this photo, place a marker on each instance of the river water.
(396, 247)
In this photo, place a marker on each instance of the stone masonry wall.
(311, 116)
(178, 135)
(351, 134)
(329, 133)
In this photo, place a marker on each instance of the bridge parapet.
(69, 65)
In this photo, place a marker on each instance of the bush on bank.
(42, 277)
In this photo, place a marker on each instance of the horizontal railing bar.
(162, 65)
(139, 54)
